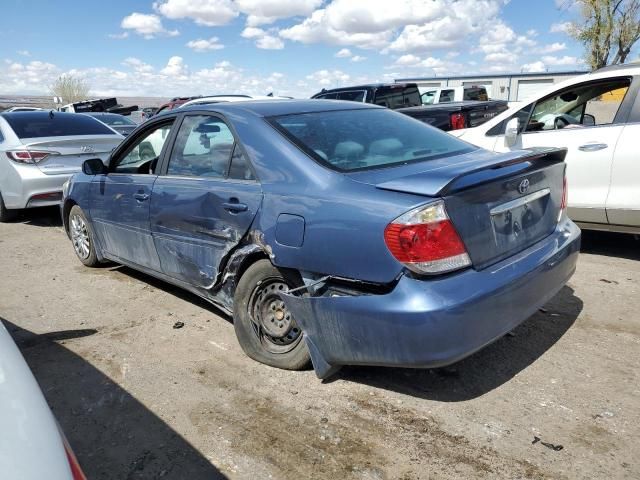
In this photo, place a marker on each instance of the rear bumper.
(436, 322)
(23, 184)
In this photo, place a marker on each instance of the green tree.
(607, 28)
(70, 89)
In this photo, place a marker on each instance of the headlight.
(65, 188)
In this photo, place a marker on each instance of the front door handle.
(141, 197)
(592, 147)
(235, 206)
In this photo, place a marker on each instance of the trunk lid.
(68, 153)
(499, 204)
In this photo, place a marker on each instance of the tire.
(6, 214)
(265, 329)
(82, 237)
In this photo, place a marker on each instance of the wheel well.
(246, 263)
(68, 205)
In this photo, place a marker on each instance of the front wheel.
(266, 330)
(82, 237)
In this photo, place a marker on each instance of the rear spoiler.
(452, 178)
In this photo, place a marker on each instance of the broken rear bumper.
(436, 321)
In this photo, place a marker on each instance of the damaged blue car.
(334, 232)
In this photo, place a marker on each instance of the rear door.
(204, 202)
(587, 119)
(120, 199)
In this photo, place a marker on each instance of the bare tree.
(607, 28)
(70, 89)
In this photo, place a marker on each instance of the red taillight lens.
(458, 121)
(426, 241)
(27, 156)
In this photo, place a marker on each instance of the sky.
(288, 47)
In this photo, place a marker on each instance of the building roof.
(493, 75)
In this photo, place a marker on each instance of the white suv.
(596, 117)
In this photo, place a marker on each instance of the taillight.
(28, 156)
(458, 121)
(563, 204)
(425, 240)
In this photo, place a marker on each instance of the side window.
(585, 105)
(447, 96)
(327, 96)
(240, 169)
(428, 97)
(202, 148)
(142, 156)
(353, 95)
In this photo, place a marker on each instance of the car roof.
(268, 108)
(367, 85)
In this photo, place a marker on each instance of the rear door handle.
(592, 147)
(235, 206)
(141, 197)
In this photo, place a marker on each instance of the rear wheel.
(6, 214)
(82, 237)
(266, 330)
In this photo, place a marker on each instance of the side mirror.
(588, 120)
(93, 166)
(511, 132)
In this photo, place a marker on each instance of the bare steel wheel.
(82, 237)
(266, 330)
(273, 324)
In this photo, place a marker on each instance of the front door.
(583, 119)
(204, 202)
(120, 199)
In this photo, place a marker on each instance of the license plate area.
(521, 219)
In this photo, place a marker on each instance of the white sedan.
(32, 447)
(596, 117)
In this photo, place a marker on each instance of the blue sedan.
(332, 231)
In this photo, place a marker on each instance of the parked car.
(39, 151)
(597, 118)
(434, 96)
(456, 115)
(228, 98)
(109, 105)
(22, 109)
(390, 95)
(376, 238)
(173, 103)
(33, 446)
(121, 124)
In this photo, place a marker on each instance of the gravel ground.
(558, 398)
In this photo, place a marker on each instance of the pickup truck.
(456, 115)
(434, 96)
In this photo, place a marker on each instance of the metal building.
(511, 86)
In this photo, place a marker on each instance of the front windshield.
(352, 140)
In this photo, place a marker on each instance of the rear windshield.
(398, 96)
(353, 140)
(113, 119)
(43, 124)
(476, 93)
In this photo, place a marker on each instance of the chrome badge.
(524, 186)
(86, 149)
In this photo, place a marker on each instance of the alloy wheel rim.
(272, 322)
(80, 237)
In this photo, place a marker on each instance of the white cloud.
(147, 25)
(408, 59)
(566, 60)
(119, 36)
(175, 67)
(211, 13)
(269, 42)
(204, 45)
(329, 78)
(501, 57)
(535, 67)
(262, 12)
(253, 32)
(554, 47)
(358, 58)
(137, 65)
(343, 53)
(561, 27)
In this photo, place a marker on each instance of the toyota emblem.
(524, 186)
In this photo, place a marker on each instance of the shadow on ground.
(40, 217)
(621, 245)
(485, 370)
(113, 434)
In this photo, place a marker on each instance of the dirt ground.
(140, 399)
